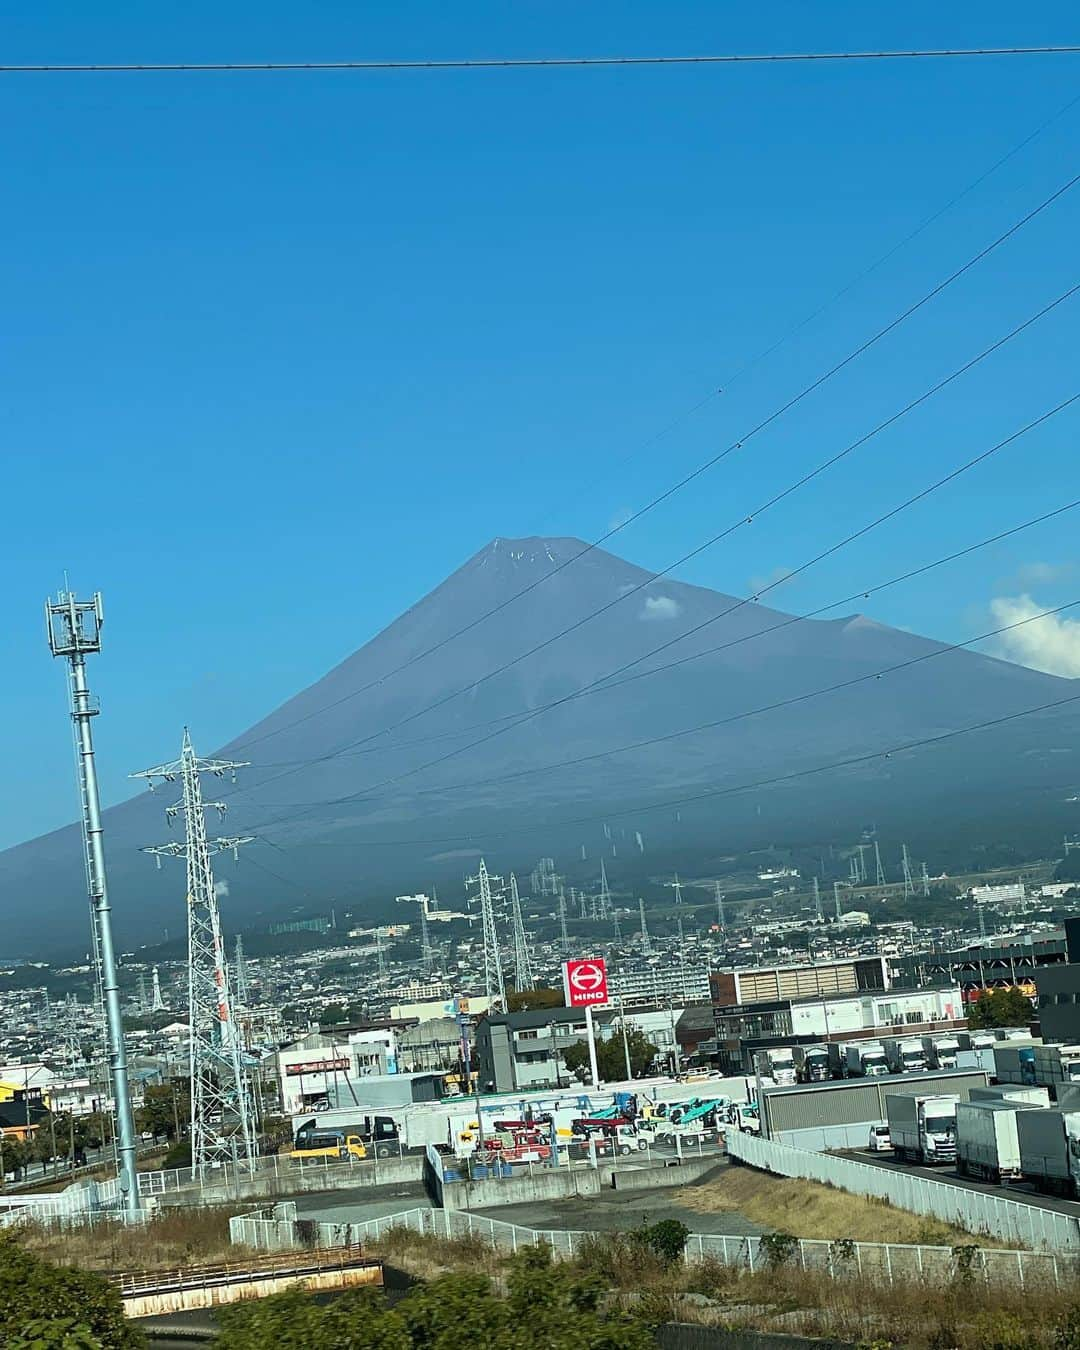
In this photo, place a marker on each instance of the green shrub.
(63, 1306)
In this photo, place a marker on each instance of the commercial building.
(678, 981)
(744, 1029)
(767, 984)
(983, 965)
(318, 1066)
(1057, 1001)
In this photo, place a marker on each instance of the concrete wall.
(545, 1183)
(158, 1303)
(298, 1181)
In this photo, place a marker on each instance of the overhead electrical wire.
(648, 808)
(523, 62)
(530, 714)
(601, 684)
(863, 593)
(246, 743)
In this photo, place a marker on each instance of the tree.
(16, 1156)
(62, 1306)
(999, 1008)
(611, 1055)
(163, 1108)
(526, 1000)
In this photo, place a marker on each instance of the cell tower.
(563, 935)
(646, 941)
(836, 898)
(523, 975)
(157, 1003)
(720, 907)
(879, 875)
(221, 1099)
(817, 901)
(494, 984)
(905, 862)
(74, 630)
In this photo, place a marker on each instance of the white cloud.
(221, 889)
(660, 607)
(1051, 644)
(773, 580)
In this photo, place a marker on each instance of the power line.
(834, 548)
(674, 488)
(524, 62)
(864, 593)
(710, 793)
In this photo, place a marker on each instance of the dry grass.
(172, 1238)
(965, 1313)
(807, 1209)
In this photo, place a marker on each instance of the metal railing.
(312, 1262)
(891, 1261)
(975, 1211)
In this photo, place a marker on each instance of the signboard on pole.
(585, 982)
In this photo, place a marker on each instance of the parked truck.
(1020, 1093)
(1050, 1150)
(1014, 1062)
(922, 1129)
(905, 1054)
(778, 1064)
(987, 1141)
(865, 1059)
(941, 1051)
(812, 1063)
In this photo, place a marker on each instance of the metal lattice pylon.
(494, 984)
(523, 974)
(646, 941)
(221, 1099)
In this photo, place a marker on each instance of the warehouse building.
(822, 1116)
(768, 984)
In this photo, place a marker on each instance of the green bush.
(58, 1306)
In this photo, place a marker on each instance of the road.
(1016, 1190)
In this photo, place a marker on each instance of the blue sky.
(279, 352)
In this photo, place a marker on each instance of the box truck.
(1014, 1062)
(922, 1129)
(987, 1143)
(1010, 1092)
(865, 1059)
(779, 1065)
(812, 1063)
(941, 1051)
(905, 1054)
(1050, 1150)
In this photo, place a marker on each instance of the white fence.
(976, 1211)
(891, 1261)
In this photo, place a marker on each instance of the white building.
(319, 1067)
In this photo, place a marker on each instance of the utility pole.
(523, 975)
(74, 630)
(880, 873)
(494, 984)
(221, 1101)
(646, 941)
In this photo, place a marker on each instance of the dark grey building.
(1058, 1003)
(524, 1049)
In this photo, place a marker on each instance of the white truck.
(1050, 1150)
(780, 1066)
(905, 1054)
(1010, 1092)
(941, 1051)
(987, 1142)
(922, 1129)
(865, 1059)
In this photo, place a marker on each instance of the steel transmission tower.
(676, 886)
(494, 984)
(836, 897)
(817, 901)
(925, 880)
(879, 876)
(605, 893)
(74, 630)
(563, 935)
(523, 975)
(157, 1003)
(720, 907)
(240, 984)
(909, 881)
(221, 1100)
(646, 941)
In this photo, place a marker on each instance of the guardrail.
(209, 1276)
(976, 1211)
(894, 1262)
